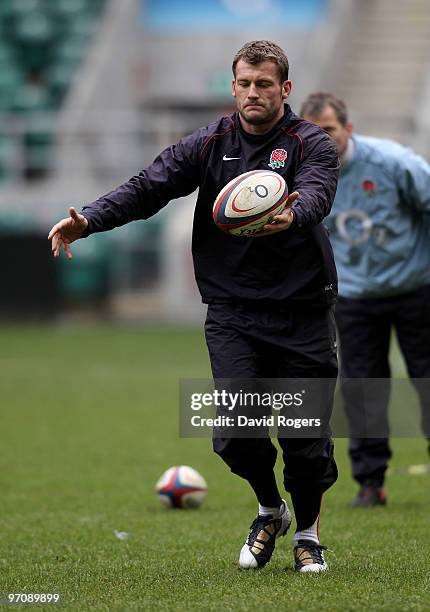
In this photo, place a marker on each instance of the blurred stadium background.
(92, 90)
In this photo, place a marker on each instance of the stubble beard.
(258, 119)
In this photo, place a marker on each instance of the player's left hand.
(67, 231)
(282, 221)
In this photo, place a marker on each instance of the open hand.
(67, 231)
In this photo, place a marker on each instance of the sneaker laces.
(259, 523)
(315, 550)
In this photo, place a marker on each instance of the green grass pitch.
(89, 421)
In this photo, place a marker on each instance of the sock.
(311, 533)
(265, 510)
(266, 490)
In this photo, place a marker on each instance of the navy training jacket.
(295, 266)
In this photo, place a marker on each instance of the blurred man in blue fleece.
(380, 231)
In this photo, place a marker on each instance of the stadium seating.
(42, 43)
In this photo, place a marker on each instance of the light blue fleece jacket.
(380, 221)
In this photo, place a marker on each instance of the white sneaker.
(309, 557)
(260, 543)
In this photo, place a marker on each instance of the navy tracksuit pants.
(364, 331)
(250, 341)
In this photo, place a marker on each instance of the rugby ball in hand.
(181, 487)
(250, 201)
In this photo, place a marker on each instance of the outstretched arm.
(67, 231)
(315, 180)
(173, 174)
(314, 188)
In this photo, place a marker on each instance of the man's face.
(329, 122)
(259, 93)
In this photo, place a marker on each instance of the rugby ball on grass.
(250, 201)
(181, 487)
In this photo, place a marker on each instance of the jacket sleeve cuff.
(88, 230)
(296, 218)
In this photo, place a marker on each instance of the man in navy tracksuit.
(379, 228)
(270, 297)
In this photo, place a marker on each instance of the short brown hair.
(258, 51)
(316, 102)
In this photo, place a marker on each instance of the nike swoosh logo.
(225, 158)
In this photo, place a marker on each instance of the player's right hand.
(67, 231)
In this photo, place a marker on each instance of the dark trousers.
(364, 330)
(250, 342)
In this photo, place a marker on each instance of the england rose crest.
(277, 158)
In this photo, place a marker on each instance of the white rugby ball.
(250, 201)
(181, 487)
